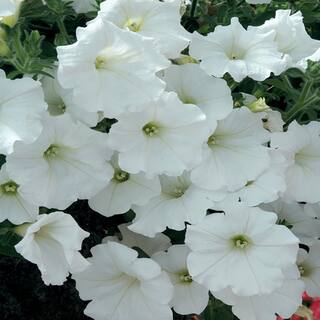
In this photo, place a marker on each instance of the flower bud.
(184, 59)
(4, 49)
(259, 105)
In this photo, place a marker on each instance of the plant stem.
(193, 8)
(301, 103)
(63, 29)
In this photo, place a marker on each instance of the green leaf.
(2, 160)
(8, 240)
(217, 310)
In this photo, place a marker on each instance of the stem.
(193, 8)
(233, 85)
(301, 103)
(63, 29)
(287, 81)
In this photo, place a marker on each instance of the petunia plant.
(160, 159)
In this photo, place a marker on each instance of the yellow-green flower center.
(100, 62)
(302, 270)
(52, 151)
(212, 140)
(178, 192)
(151, 129)
(121, 176)
(240, 241)
(9, 188)
(133, 24)
(185, 277)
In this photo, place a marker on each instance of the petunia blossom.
(123, 286)
(53, 243)
(237, 249)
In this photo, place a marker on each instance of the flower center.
(52, 151)
(188, 100)
(62, 107)
(302, 270)
(121, 176)
(178, 192)
(133, 24)
(185, 277)
(100, 62)
(212, 140)
(285, 223)
(305, 270)
(241, 241)
(9, 188)
(151, 129)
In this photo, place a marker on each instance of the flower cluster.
(179, 154)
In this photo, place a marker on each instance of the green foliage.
(294, 93)
(216, 310)
(25, 54)
(2, 159)
(8, 240)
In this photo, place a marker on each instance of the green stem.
(233, 85)
(300, 104)
(287, 81)
(63, 30)
(193, 8)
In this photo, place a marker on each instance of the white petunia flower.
(180, 201)
(60, 101)
(267, 187)
(306, 228)
(83, 6)
(272, 121)
(242, 249)
(150, 246)
(123, 191)
(234, 154)
(123, 287)
(309, 267)
(53, 243)
(9, 11)
(165, 137)
(153, 19)
(110, 69)
(14, 204)
(302, 142)
(67, 162)
(194, 86)
(284, 301)
(189, 296)
(238, 51)
(291, 38)
(21, 107)
(8, 7)
(312, 210)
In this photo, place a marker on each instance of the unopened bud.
(4, 49)
(184, 59)
(259, 105)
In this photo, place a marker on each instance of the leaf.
(7, 242)
(2, 160)
(217, 310)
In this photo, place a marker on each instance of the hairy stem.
(302, 102)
